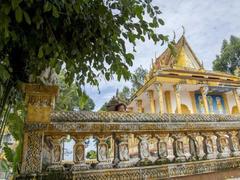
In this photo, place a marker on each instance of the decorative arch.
(185, 109)
(234, 110)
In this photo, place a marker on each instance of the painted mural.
(215, 104)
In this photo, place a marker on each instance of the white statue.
(209, 146)
(163, 149)
(144, 148)
(102, 152)
(123, 152)
(179, 148)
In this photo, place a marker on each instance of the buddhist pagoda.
(183, 123)
(178, 83)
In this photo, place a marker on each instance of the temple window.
(67, 146)
(91, 149)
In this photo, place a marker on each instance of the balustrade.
(185, 147)
(181, 147)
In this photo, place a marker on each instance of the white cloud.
(206, 23)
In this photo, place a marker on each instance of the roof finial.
(183, 30)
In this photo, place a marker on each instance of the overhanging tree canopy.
(88, 37)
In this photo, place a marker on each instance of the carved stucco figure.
(123, 152)
(57, 153)
(209, 146)
(163, 149)
(235, 143)
(179, 148)
(144, 148)
(79, 153)
(102, 152)
(194, 147)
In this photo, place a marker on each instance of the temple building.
(180, 84)
(181, 126)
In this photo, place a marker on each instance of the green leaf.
(40, 52)
(26, 17)
(4, 75)
(55, 12)
(4, 165)
(9, 153)
(129, 58)
(47, 6)
(18, 15)
(83, 100)
(6, 8)
(15, 3)
(161, 21)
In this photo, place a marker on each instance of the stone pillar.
(40, 101)
(162, 148)
(160, 97)
(235, 94)
(103, 153)
(116, 156)
(204, 91)
(32, 150)
(123, 151)
(139, 106)
(178, 99)
(79, 155)
(151, 100)
(143, 150)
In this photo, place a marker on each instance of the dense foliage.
(229, 59)
(69, 100)
(86, 38)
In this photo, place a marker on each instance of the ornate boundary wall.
(211, 142)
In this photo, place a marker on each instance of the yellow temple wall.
(185, 99)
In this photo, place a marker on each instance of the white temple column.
(151, 100)
(178, 99)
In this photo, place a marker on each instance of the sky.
(207, 23)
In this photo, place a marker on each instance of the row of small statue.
(225, 144)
